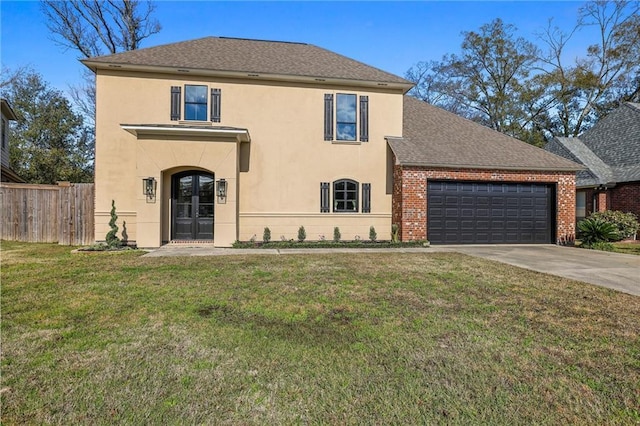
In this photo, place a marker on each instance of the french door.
(193, 201)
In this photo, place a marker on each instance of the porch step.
(191, 242)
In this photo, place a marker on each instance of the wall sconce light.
(149, 186)
(221, 189)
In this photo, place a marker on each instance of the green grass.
(628, 248)
(363, 338)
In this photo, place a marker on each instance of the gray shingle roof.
(250, 56)
(599, 172)
(437, 138)
(610, 149)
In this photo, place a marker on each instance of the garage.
(490, 213)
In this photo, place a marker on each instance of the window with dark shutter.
(324, 197)
(345, 196)
(364, 118)
(175, 102)
(328, 117)
(366, 198)
(215, 105)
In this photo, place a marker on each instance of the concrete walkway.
(613, 270)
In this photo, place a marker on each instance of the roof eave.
(240, 135)
(488, 167)
(389, 85)
(7, 111)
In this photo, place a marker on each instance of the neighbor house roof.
(434, 137)
(7, 111)
(249, 58)
(610, 149)
(597, 173)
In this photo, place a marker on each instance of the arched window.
(345, 196)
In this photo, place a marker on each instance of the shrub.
(112, 237)
(626, 223)
(372, 234)
(266, 235)
(595, 230)
(336, 234)
(302, 234)
(395, 231)
(602, 246)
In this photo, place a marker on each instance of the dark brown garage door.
(490, 213)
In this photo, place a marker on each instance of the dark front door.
(490, 212)
(192, 206)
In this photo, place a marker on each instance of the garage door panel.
(489, 212)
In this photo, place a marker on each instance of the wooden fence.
(60, 213)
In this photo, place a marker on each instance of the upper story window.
(346, 117)
(195, 103)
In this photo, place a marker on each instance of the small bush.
(336, 234)
(302, 234)
(112, 237)
(372, 234)
(594, 230)
(602, 246)
(626, 223)
(266, 235)
(395, 231)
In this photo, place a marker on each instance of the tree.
(609, 73)
(95, 28)
(512, 86)
(488, 82)
(49, 142)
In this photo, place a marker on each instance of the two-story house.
(217, 138)
(8, 114)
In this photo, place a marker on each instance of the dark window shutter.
(328, 117)
(364, 118)
(366, 198)
(324, 197)
(175, 102)
(216, 95)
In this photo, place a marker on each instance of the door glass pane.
(206, 189)
(183, 210)
(185, 189)
(205, 210)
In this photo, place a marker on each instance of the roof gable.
(616, 137)
(610, 149)
(7, 111)
(437, 138)
(601, 173)
(251, 58)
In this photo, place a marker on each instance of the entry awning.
(183, 130)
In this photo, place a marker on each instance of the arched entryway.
(192, 205)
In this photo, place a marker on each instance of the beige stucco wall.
(274, 180)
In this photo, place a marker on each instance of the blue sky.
(389, 35)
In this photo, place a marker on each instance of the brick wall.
(410, 195)
(623, 197)
(603, 201)
(626, 197)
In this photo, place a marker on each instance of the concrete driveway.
(613, 270)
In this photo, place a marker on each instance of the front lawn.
(363, 338)
(628, 248)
